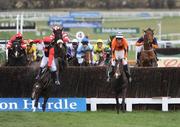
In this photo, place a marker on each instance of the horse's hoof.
(34, 110)
(43, 108)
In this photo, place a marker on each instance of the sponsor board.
(11, 25)
(169, 62)
(115, 30)
(53, 104)
(79, 24)
(85, 14)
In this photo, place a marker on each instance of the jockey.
(57, 34)
(119, 47)
(98, 50)
(72, 48)
(82, 48)
(32, 49)
(153, 41)
(16, 37)
(49, 60)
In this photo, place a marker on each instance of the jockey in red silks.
(48, 58)
(16, 37)
(58, 34)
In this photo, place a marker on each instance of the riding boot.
(138, 57)
(156, 55)
(127, 72)
(39, 73)
(55, 77)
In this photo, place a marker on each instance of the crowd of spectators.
(84, 4)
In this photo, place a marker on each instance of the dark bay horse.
(17, 55)
(119, 84)
(61, 60)
(42, 88)
(147, 55)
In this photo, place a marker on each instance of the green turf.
(169, 25)
(90, 119)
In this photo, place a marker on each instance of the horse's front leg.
(44, 104)
(117, 103)
(36, 102)
(123, 99)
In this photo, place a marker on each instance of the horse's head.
(16, 49)
(88, 57)
(147, 45)
(118, 68)
(57, 34)
(36, 90)
(148, 36)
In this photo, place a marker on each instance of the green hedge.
(91, 82)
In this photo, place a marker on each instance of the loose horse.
(42, 87)
(119, 84)
(17, 55)
(147, 55)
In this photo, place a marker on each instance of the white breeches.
(120, 55)
(139, 48)
(44, 62)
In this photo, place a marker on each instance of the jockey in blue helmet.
(82, 48)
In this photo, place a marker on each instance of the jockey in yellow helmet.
(31, 50)
(98, 50)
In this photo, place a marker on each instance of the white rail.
(164, 101)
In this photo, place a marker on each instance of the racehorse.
(73, 62)
(100, 59)
(147, 54)
(61, 56)
(119, 84)
(29, 56)
(42, 87)
(87, 58)
(17, 55)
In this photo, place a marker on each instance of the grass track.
(90, 119)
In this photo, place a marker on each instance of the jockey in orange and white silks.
(119, 47)
(48, 59)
